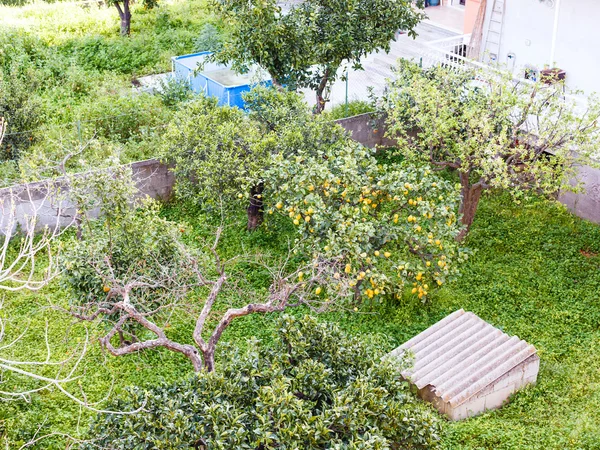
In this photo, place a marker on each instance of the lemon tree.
(391, 223)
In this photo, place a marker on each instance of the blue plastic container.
(214, 80)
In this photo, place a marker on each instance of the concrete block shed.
(465, 366)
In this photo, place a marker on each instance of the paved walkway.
(378, 65)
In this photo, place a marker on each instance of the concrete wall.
(49, 201)
(586, 204)
(368, 129)
(528, 32)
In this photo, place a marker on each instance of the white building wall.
(578, 43)
(528, 31)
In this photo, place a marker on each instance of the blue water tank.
(215, 80)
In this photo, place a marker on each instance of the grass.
(535, 273)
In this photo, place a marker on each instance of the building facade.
(538, 34)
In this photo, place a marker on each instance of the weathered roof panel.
(462, 354)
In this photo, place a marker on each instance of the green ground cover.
(535, 273)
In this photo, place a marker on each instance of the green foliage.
(18, 106)
(121, 118)
(305, 46)
(215, 150)
(534, 274)
(64, 69)
(259, 33)
(209, 39)
(276, 108)
(497, 133)
(316, 388)
(174, 92)
(218, 152)
(354, 108)
(128, 242)
(391, 223)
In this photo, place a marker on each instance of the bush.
(122, 118)
(210, 39)
(354, 108)
(316, 388)
(174, 92)
(129, 240)
(22, 112)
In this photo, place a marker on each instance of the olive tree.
(306, 44)
(389, 223)
(494, 131)
(131, 271)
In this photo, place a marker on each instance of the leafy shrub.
(316, 388)
(214, 149)
(121, 118)
(123, 56)
(210, 39)
(22, 112)
(174, 92)
(354, 108)
(125, 242)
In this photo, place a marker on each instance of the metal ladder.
(491, 50)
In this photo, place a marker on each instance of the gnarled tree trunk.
(471, 194)
(255, 209)
(125, 15)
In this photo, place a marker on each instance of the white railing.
(454, 52)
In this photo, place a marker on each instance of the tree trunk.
(125, 15)
(209, 360)
(255, 209)
(320, 106)
(471, 194)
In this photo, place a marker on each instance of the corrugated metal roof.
(462, 354)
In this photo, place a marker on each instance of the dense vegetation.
(534, 274)
(313, 388)
(67, 82)
(65, 85)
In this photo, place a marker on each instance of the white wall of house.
(529, 28)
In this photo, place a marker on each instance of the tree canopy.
(305, 45)
(391, 223)
(314, 388)
(496, 132)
